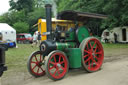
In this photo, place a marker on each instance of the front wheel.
(56, 65)
(35, 64)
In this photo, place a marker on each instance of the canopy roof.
(79, 16)
(6, 27)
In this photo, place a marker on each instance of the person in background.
(34, 39)
(115, 37)
(39, 38)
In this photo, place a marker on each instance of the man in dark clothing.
(115, 37)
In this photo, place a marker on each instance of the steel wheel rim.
(93, 55)
(36, 63)
(57, 65)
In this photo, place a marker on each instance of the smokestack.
(48, 20)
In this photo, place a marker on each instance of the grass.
(16, 58)
(114, 45)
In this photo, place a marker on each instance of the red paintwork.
(93, 55)
(24, 38)
(57, 65)
(36, 66)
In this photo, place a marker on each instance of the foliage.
(21, 27)
(19, 5)
(29, 11)
(115, 9)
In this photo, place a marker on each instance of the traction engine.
(65, 49)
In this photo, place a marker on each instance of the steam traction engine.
(66, 49)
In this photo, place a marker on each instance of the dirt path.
(114, 72)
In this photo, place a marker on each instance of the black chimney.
(48, 20)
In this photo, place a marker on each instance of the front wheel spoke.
(61, 62)
(58, 72)
(54, 59)
(34, 67)
(62, 67)
(38, 70)
(59, 58)
(41, 69)
(36, 58)
(33, 62)
(55, 72)
(52, 62)
(51, 67)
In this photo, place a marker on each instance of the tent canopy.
(79, 16)
(6, 27)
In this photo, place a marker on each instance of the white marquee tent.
(8, 33)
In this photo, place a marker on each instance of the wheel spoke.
(55, 72)
(59, 58)
(95, 62)
(33, 62)
(89, 65)
(62, 67)
(61, 62)
(38, 70)
(96, 57)
(86, 56)
(90, 44)
(100, 52)
(34, 67)
(87, 51)
(94, 44)
(58, 72)
(51, 67)
(41, 69)
(52, 62)
(36, 58)
(87, 59)
(55, 59)
(96, 48)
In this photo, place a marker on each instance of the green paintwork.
(71, 35)
(63, 46)
(74, 55)
(82, 33)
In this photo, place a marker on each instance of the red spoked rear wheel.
(36, 64)
(56, 65)
(92, 54)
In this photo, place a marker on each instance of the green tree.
(21, 27)
(19, 5)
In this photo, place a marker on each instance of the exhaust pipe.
(48, 20)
